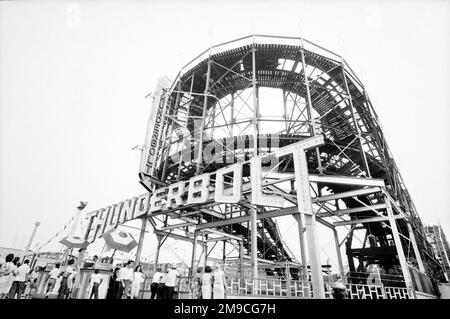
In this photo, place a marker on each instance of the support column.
(205, 249)
(194, 255)
(301, 235)
(224, 255)
(314, 258)
(241, 258)
(158, 246)
(36, 225)
(302, 240)
(416, 249)
(287, 124)
(398, 244)
(254, 242)
(232, 115)
(202, 126)
(305, 209)
(141, 241)
(255, 103)
(338, 251)
(312, 127)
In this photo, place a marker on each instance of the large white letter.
(127, 211)
(175, 193)
(258, 198)
(301, 170)
(141, 205)
(114, 215)
(198, 193)
(157, 200)
(99, 224)
(235, 197)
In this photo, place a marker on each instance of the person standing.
(339, 290)
(126, 278)
(6, 276)
(207, 283)
(95, 262)
(138, 279)
(16, 261)
(32, 282)
(96, 281)
(118, 283)
(161, 292)
(196, 288)
(219, 283)
(155, 282)
(171, 281)
(66, 281)
(53, 276)
(18, 285)
(72, 280)
(13, 276)
(111, 294)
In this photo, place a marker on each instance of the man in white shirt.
(171, 281)
(18, 285)
(96, 281)
(155, 281)
(125, 277)
(54, 274)
(118, 288)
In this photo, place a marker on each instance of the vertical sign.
(154, 127)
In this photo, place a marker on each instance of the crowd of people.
(17, 280)
(125, 282)
(209, 285)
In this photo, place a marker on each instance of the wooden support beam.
(246, 218)
(177, 226)
(218, 232)
(346, 180)
(176, 236)
(353, 210)
(365, 220)
(212, 213)
(359, 192)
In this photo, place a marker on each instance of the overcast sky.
(73, 77)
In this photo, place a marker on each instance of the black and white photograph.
(252, 153)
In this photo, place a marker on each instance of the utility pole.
(36, 225)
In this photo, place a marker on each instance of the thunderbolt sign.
(198, 190)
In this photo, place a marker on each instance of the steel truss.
(354, 181)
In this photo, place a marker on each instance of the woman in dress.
(138, 279)
(207, 284)
(219, 281)
(196, 289)
(7, 273)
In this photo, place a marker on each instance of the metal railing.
(247, 287)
